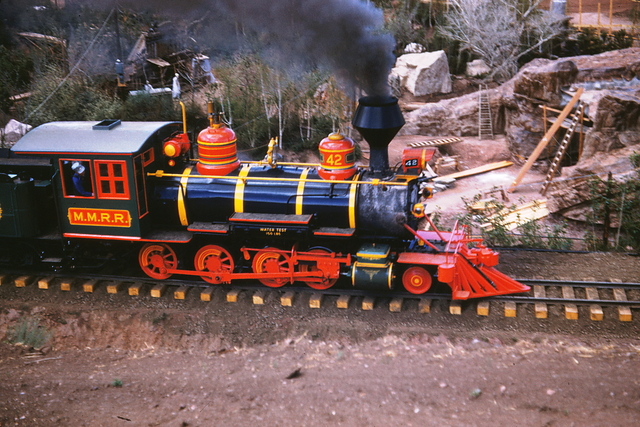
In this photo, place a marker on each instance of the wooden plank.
(510, 309)
(207, 294)
(286, 300)
(258, 297)
(368, 303)
(395, 306)
(483, 308)
(22, 281)
(114, 287)
(545, 140)
(624, 312)
(181, 292)
(90, 285)
(455, 307)
(595, 310)
(343, 301)
(424, 306)
(481, 169)
(45, 282)
(521, 215)
(158, 290)
(540, 308)
(232, 295)
(135, 289)
(315, 301)
(570, 310)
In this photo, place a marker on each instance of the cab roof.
(106, 137)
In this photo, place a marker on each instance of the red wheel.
(319, 283)
(156, 258)
(268, 260)
(416, 280)
(214, 259)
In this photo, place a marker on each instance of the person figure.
(78, 179)
(175, 90)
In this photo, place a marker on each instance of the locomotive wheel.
(213, 258)
(416, 280)
(156, 258)
(268, 261)
(319, 283)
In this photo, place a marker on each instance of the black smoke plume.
(344, 36)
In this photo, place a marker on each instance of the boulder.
(477, 68)
(423, 73)
(13, 131)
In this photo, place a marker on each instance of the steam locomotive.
(73, 191)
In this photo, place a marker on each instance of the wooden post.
(545, 140)
(607, 212)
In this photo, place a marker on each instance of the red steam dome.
(217, 150)
(337, 154)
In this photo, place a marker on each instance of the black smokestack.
(378, 119)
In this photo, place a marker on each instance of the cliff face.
(611, 83)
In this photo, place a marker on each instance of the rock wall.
(612, 96)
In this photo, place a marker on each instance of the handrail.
(374, 182)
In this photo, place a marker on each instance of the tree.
(501, 31)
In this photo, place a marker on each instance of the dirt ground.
(116, 360)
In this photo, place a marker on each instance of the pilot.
(78, 179)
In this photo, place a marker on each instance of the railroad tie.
(540, 308)
(510, 309)
(395, 306)
(424, 306)
(624, 312)
(207, 294)
(45, 282)
(595, 310)
(286, 300)
(343, 301)
(3, 279)
(315, 300)
(90, 285)
(368, 303)
(483, 308)
(181, 292)
(232, 295)
(22, 281)
(135, 289)
(158, 290)
(258, 297)
(114, 287)
(570, 310)
(455, 308)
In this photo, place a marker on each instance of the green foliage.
(490, 222)
(591, 41)
(259, 103)
(29, 332)
(620, 200)
(116, 383)
(15, 75)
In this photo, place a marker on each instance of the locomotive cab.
(99, 179)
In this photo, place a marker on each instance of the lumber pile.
(512, 218)
(478, 170)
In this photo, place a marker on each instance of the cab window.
(111, 179)
(77, 178)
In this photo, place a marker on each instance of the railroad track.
(594, 296)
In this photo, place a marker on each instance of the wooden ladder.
(562, 149)
(485, 125)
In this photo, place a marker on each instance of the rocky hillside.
(611, 83)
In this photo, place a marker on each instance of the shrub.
(29, 332)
